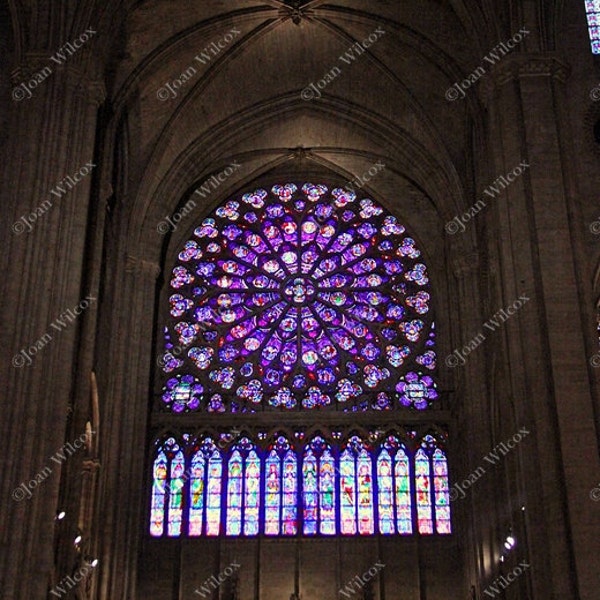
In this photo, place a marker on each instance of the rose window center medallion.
(298, 290)
(299, 298)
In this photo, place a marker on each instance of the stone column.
(531, 224)
(51, 139)
(125, 378)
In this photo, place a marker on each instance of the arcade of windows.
(304, 301)
(397, 484)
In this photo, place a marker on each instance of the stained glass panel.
(403, 493)
(290, 494)
(157, 510)
(197, 493)
(176, 494)
(327, 493)
(366, 523)
(213, 503)
(423, 489)
(234, 495)
(385, 500)
(251, 494)
(272, 493)
(347, 493)
(441, 493)
(310, 492)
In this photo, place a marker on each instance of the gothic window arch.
(302, 301)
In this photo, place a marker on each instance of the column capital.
(517, 66)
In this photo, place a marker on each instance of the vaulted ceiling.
(196, 85)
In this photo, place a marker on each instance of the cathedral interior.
(301, 299)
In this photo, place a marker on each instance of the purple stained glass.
(592, 8)
(321, 488)
(298, 298)
(416, 390)
(182, 393)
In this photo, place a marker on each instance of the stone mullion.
(537, 259)
(125, 417)
(40, 392)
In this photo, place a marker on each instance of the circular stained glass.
(300, 298)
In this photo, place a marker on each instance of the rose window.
(299, 298)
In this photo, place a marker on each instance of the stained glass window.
(402, 481)
(366, 524)
(385, 499)
(290, 494)
(441, 492)
(234, 495)
(252, 494)
(327, 478)
(314, 489)
(592, 8)
(318, 488)
(432, 488)
(167, 489)
(348, 492)
(356, 489)
(299, 298)
(243, 490)
(310, 492)
(159, 493)
(281, 489)
(423, 485)
(197, 493)
(213, 503)
(273, 487)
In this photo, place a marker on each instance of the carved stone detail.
(517, 66)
